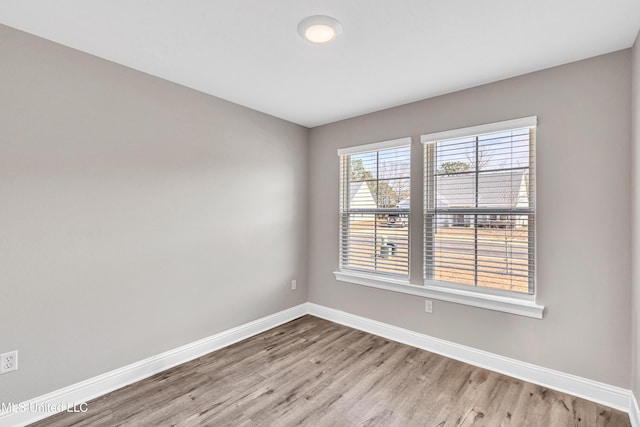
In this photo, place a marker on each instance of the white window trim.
(525, 122)
(522, 306)
(376, 146)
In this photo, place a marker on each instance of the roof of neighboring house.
(495, 189)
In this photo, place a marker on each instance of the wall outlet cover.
(9, 362)
(428, 306)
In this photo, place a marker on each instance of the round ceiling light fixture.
(319, 29)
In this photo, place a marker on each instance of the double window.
(479, 213)
(375, 182)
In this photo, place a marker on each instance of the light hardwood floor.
(313, 372)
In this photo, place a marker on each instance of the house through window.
(375, 185)
(480, 207)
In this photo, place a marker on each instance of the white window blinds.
(480, 207)
(375, 185)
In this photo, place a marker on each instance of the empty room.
(320, 213)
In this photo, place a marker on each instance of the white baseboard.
(76, 394)
(84, 391)
(614, 397)
(634, 411)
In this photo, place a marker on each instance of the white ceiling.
(390, 53)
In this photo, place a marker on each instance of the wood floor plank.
(313, 372)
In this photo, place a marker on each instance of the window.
(375, 184)
(479, 217)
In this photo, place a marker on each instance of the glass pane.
(361, 195)
(455, 155)
(393, 244)
(504, 253)
(358, 241)
(363, 166)
(503, 189)
(376, 242)
(456, 191)
(504, 150)
(393, 193)
(394, 163)
(454, 249)
(491, 251)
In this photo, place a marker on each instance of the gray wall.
(635, 185)
(135, 215)
(583, 234)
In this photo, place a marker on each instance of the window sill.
(518, 306)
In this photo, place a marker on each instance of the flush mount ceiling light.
(319, 29)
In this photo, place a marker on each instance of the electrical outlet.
(294, 285)
(428, 306)
(8, 362)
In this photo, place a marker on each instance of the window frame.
(466, 294)
(355, 275)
